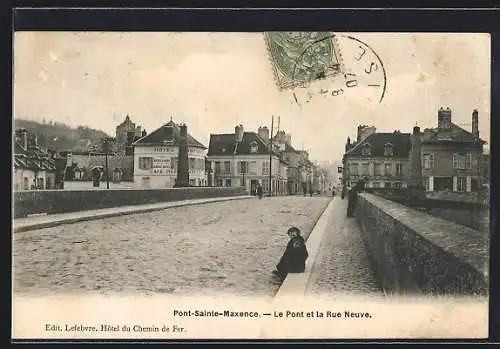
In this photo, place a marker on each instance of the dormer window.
(388, 149)
(253, 147)
(366, 150)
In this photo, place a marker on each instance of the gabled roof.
(455, 134)
(401, 145)
(168, 134)
(225, 144)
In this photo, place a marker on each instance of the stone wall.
(415, 253)
(58, 201)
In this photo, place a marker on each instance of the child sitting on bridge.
(295, 255)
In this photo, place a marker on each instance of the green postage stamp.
(299, 58)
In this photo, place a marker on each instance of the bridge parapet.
(60, 201)
(415, 253)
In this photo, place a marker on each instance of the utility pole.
(106, 149)
(271, 156)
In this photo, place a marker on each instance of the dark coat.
(294, 257)
(353, 199)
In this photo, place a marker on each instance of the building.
(381, 159)
(246, 159)
(452, 157)
(34, 168)
(294, 160)
(126, 133)
(156, 158)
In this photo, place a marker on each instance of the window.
(265, 168)
(227, 166)
(366, 150)
(397, 185)
(40, 183)
(354, 169)
(253, 147)
(366, 169)
(388, 149)
(242, 166)
(145, 163)
(387, 169)
(265, 185)
(228, 182)
(253, 167)
(426, 181)
(378, 169)
(461, 184)
(399, 170)
(192, 181)
(217, 167)
(428, 160)
(462, 161)
(26, 184)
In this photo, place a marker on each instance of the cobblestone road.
(342, 265)
(205, 249)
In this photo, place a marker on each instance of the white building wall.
(162, 174)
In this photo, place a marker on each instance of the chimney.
(238, 133)
(183, 167)
(415, 170)
(144, 133)
(288, 138)
(364, 131)
(444, 118)
(475, 123)
(32, 141)
(22, 137)
(138, 130)
(263, 133)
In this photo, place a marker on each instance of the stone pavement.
(47, 221)
(342, 265)
(227, 247)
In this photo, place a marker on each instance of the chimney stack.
(263, 133)
(475, 123)
(32, 141)
(22, 138)
(238, 133)
(444, 118)
(183, 167)
(416, 130)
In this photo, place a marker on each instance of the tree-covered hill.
(59, 136)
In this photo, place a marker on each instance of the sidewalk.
(46, 221)
(337, 267)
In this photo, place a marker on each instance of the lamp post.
(107, 142)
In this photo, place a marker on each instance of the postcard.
(250, 185)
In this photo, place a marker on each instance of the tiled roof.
(400, 141)
(225, 144)
(455, 134)
(167, 134)
(32, 159)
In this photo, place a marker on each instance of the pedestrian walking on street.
(259, 191)
(310, 191)
(353, 198)
(295, 255)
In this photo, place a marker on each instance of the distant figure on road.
(259, 191)
(304, 188)
(295, 255)
(310, 191)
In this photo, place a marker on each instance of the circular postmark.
(325, 65)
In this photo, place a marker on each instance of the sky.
(215, 81)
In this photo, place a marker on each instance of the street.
(225, 247)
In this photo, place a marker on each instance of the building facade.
(381, 159)
(125, 132)
(33, 168)
(156, 158)
(452, 158)
(245, 159)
